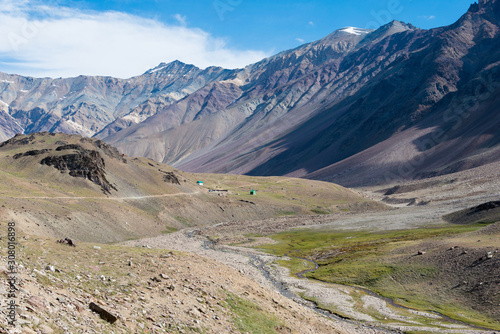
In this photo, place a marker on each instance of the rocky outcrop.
(485, 213)
(69, 147)
(19, 140)
(83, 163)
(31, 153)
(170, 177)
(109, 150)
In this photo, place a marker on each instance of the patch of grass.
(453, 311)
(320, 211)
(285, 213)
(370, 259)
(169, 229)
(331, 244)
(371, 273)
(250, 318)
(184, 221)
(296, 265)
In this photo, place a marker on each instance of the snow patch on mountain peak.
(135, 118)
(79, 128)
(354, 31)
(157, 69)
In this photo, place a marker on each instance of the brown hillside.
(60, 186)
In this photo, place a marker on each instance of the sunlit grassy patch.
(296, 265)
(285, 213)
(250, 318)
(320, 211)
(372, 260)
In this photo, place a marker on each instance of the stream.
(389, 301)
(261, 265)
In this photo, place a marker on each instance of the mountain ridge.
(302, 110)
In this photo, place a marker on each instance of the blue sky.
(124, 38)
(276, 24)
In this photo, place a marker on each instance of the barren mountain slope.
(88, 105)
(261, 93)
(369, 102)
(396, 94)
(429, 80)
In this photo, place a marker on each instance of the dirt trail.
(108, 198)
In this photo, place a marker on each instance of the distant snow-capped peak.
(354, 31)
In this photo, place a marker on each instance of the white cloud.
(57, 41)
(311, 23)
(181, 19)
(427, 17)
(300, 40)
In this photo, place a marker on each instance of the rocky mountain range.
(357, 107)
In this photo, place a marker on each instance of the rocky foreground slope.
(144, 291)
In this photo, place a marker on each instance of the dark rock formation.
(485, 213)
(485, 207)
(84, 163)
(69, 147)
(19, 140)
(31, 153)
(103, 313)
(109, 150)
(170, 177)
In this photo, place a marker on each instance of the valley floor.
(364, 317)
(194, 289)
(419, 205)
